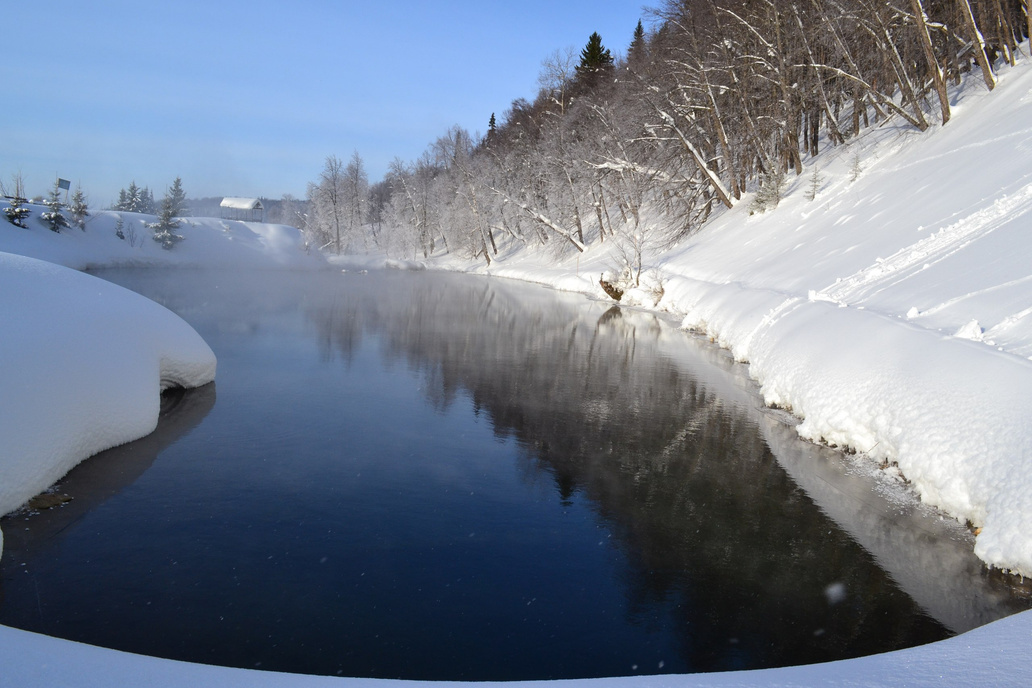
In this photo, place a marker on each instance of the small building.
(247, 209)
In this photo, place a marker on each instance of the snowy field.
(892, 313)
(207, 243)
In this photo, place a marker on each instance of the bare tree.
(326, 201)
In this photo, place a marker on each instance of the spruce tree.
(79, 208)
(164, 228)
(636, 51)
(177, 197)
(16, 212)
(54, 219)
(596, 60)
(492, 129)
(133, 198)
(146, 202)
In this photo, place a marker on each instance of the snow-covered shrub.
(53, 218)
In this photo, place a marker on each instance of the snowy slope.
(207, 243)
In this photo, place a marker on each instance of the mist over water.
(434, 476)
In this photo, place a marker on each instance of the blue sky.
(249, 98)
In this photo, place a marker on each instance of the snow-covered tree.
(146, 203)
(135, 199)
(176, 196)
(79, 208)
(356, 192)
(329, 216)
(16, 212)
(164, 228)
(53, 218)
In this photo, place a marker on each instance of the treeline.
(719, 97)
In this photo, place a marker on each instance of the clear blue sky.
(249, 98)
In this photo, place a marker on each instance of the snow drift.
(82, 366)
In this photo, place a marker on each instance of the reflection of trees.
(717, 535)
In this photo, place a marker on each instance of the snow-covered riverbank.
(82, 361)
(892, 312)
(82, 366)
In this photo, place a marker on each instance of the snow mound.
(82, 366)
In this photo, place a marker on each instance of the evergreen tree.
(79, 208)
(133, 200)
(54, 218)
(119, 226)
(164, 228)
(596, 60)
(16, 212)
(636, 51)
(146, 202)
(177, 197)
(123, 201)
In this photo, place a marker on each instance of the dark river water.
(435, 476)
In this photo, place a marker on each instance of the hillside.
(893, 312)
(208, 242)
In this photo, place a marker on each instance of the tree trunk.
(977, 42)
(901, 73)
(933, 64)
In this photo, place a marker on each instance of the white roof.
(241, 203)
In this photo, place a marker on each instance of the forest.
(716, 99)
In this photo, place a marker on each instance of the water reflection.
(105, 475)
(705, 494)
(686, 528)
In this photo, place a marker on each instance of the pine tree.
(177, 197)
(164, 228)
(119, 226)
(16, 212)
(79, 208)
(772, 189)
(123, 201)
(133, 200)
(815, 184)
(492, 130)
(54, 219)
(636, 51)
(146, 202)
(596, 60)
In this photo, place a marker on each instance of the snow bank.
(82, 366)
(207, 243)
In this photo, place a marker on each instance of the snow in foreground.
(993, 655)
(82, 366)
